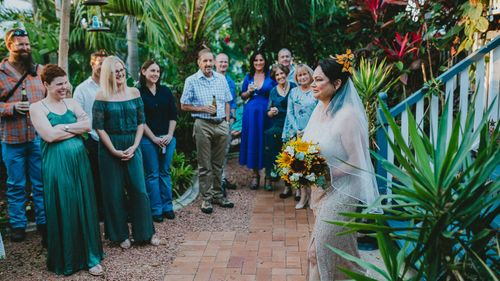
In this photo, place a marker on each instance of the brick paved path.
(273, 249)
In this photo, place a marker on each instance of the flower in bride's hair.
(345, 60)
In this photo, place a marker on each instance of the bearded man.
(20, 85)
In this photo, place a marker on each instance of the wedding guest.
(285, 58)
(222, 65)
(85, 95)
(158, 142)
(301, 104)
(256, 87)
(206, 95)
(277, 109)
(19, 78)
(74, 241)
(118, 118)
(340, 127)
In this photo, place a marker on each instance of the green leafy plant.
(371, 78)
(473, 21)
(182, 174)
(444, 199)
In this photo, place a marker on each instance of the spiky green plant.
(446, 199)
(371, 78)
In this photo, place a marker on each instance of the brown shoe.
(206, 207)
(223, 202)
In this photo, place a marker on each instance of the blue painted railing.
(458, 74)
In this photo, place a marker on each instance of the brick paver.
(273, 249)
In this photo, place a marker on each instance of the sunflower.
(284, 160)
(302, 147)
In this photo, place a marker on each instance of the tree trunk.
(34, 5)
(64, 34)
(133, 48)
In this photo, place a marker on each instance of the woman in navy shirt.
(158, 142)
(255, 89)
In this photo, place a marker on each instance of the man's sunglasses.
(20, 33)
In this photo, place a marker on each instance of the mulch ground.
(26, 261)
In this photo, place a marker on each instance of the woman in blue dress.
(301, 104)
(278, 102)
(255, 89)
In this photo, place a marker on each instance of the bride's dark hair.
(333, 70)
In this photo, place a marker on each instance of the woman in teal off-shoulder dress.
(118, 117)
(74, 241)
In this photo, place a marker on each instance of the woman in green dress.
(118, 117)
(277, 107)
(73, 241)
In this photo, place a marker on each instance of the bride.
(339, 125)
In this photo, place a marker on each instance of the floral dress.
(300, 107)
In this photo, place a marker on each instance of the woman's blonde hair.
(302, 66)
(108, 77)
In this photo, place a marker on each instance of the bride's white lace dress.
(341, 131)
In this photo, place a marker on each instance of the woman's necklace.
(283, 90)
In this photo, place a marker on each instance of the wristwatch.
(66, 128)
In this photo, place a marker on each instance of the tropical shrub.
(182, 174)
(443, 201)
(371, 78)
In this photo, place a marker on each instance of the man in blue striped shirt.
(211, 127)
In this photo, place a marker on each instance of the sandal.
(96, 270)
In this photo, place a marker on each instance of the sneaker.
(158, 218)
(18, 235)
(206, 207)
(169, 215)
(155, 241)
(96, 270)
(223, 202)
(125, 244)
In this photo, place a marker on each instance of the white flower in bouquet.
(312, 149)
(295, 176)
(311, 177)
(290, 151)
(300, 156)
(285, 170)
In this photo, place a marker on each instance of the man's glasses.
(20, 33)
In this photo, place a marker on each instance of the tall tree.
(133, 49)
(64, 34)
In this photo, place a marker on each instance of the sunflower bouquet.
(300, 164)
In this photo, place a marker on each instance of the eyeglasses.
(20, 33)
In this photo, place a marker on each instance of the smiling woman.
(278, 102)
(73, 239)
(118, 118)
(255, 89)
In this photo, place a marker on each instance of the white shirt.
(85, 95)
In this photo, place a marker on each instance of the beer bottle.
(214, 103)
(24, 96)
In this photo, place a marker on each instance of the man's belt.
(215, 121)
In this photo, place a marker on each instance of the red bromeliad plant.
(401, 46)
(373, 6)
